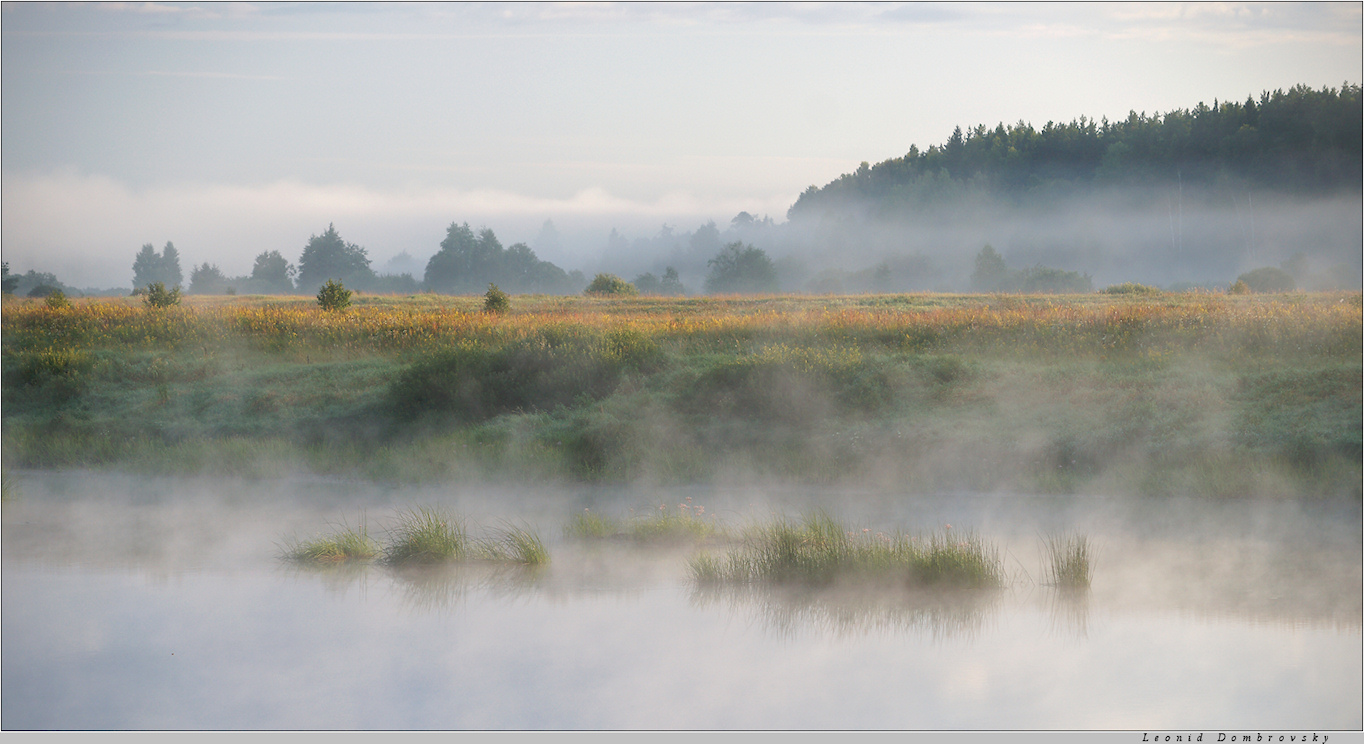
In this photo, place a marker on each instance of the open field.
(1153, 393)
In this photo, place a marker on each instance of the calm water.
(162, 604)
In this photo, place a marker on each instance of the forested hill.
(1299, 140)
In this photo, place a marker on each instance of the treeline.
(466, 263)
(1299, 140)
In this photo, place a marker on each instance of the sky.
(233, 129)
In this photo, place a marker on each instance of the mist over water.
(162, 603)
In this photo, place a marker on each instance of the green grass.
(1068, 560)
(514, 544)
(346, 544)
(1130, 393)
(9, 491)
(819, 550)
(685, 523)
(426, 535)
(589, 525)
(423, 536)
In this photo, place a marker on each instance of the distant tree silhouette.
(741, 268)
(327, 256)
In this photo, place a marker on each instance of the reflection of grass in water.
(789, 610)
(431, 588)
(426, 535)
(819, 550)
(1068, 560)
(687, 523)
(343, 545)
(1069, 609)
(337, 577)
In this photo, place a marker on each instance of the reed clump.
(820, 550)
(686, 523)
(425, 535)
(1069, 560)
(8, 490)
(588, 525)
(345, 544)
(514, 544)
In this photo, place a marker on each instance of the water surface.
(133, 604)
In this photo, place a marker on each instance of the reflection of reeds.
(1069, 609)
(819, 550)
(787, 611)
(430, 587)
(1068, 560)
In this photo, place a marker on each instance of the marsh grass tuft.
(686, 523)
(8, 490)
(425, 535)
(1069, 560)
(344, 545)
(819, 550)
(514, 544)
(587, 525)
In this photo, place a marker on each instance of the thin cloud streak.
(1234, 25)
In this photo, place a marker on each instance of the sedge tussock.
(515, 544)
(820, 550)
(345, 544)
(1069, 560)
(426, 535)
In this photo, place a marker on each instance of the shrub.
(496, 301)
(741, 268)
(1267, 279)
(43, 290)
(1046, 280)
(56, 374)
(476, 383)
(1129, 288)
(57, 300)
(1238, 287)
(610, 284)
(158, 296)
(333, 296)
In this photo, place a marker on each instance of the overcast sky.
(233, 129)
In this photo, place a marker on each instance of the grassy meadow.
(1153, 393)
